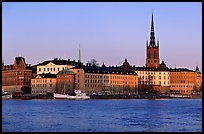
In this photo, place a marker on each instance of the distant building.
(43, 84)
(183, 80)
(54, 66)
(17, 77)
(198, 79)
(154, 78)
(105, 80)
(65, 82)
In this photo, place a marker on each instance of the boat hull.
(62, 96)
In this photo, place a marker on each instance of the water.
(137, 115)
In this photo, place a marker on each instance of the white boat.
(79, 95)
(6, 95)
(60, 96)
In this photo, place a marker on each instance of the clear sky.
(106, 31)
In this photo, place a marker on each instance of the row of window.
(142, 72)
(151, 82)
(51, 69)
(185, 77)
(182, 86)
(39, 91)
(151, 77)
(183, 91)
(41, 85)
(113, 86)
(107, 77)
(40, 81)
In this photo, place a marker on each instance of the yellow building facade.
(105, 80)
(43, 84)
(183, 81)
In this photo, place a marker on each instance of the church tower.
(152, 53)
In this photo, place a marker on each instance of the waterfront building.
(198, 79)
(105, 80)
(154, 78)
(43, 84)
(65, 81)
(17, 77)
(182, 80)
(53, 66)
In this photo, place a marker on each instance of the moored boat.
(79, 95)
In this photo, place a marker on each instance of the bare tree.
(93, 62)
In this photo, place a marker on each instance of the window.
(39, 69)
(50, 69)
(148, 55)
(54, 69)
(58, 69)
(44, 69)
(47, 69)
(155, 55)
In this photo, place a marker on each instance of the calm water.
(182, 115)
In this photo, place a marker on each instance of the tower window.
(155, 61)
(154, 53)
(148, 54)
(148, 61)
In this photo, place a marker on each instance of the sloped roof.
(46, 75)
(181, 70)
(59, 62)
(163, 67)
(65, 71)
(18, 60)
(106, 70)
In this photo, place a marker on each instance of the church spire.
(79, 54)
(152, 35)
(152, 24)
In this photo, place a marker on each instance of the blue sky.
(106, 31)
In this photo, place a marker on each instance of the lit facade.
(65, 81)
(182, 81)
(17, 77)
(106, 80)
(54, 66)
(43, 84)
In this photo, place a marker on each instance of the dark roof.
(18, 60)
(180, 70)
(105, 70)
(126, 65)
(145, 68)
(59, 62)
(65, 71)
(197, 70)
(162, 67)
(47, 75)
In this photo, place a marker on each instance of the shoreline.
(92, 97)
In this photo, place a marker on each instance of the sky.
(106, 31)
